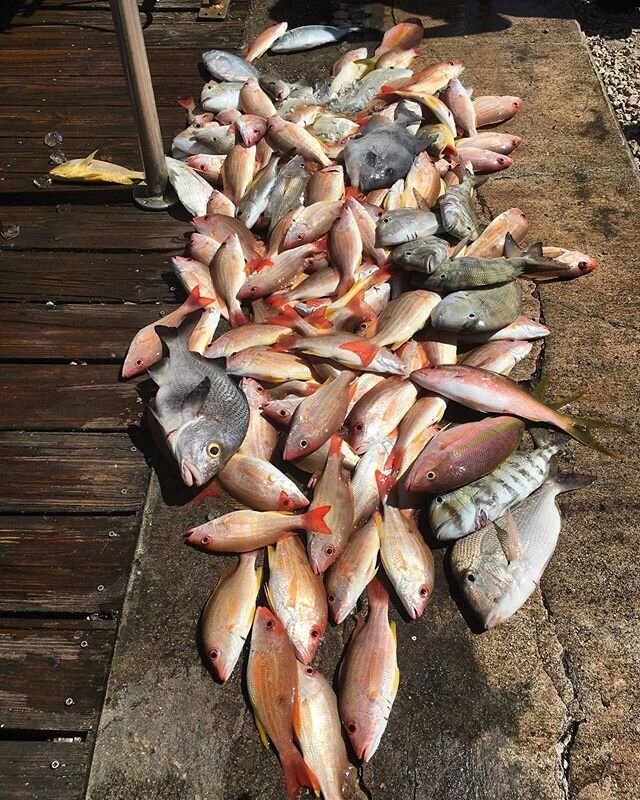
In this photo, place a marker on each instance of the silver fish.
(499, 566)
(256, 198)
(354, 97)
(288, 190)
(465, 510)
(309, 36)
(203, 414)
(475, 310)
(404, 225)
(220, 96)
(274, 86)
(458, 216)
(421, 255)
(225, 66)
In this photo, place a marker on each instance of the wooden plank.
(80, 29)
(77, 473)
(84, 397)
(94, 227)
(48, 90)
(71, 332)
(43, 770)
(85, 277)
(50, 679)
(65, 564)
(76, 121)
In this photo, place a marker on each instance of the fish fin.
(287, 317)
(267, 594)
(509, 537)
(377, 595)
(385, 484)
(258, 264)
(548, 437)
(422, 203)
(238, 318)
(567, 482)
(158, 370)
(297, 774)
(284, 343)
(564, 401)
(460, 247)
(88, 159)
(335, 445)
(393, 462)
(318, 319)
(535, 250)
(580, 429)
(542, 387)
(396, 679)
(314, 520)
(263, 733)
(259, 572)
(194, 401)
(210, 490)
(511, 248)
(365, 351)
(187, 102)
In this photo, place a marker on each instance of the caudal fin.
(314, 520)
(567, 482)
(581, 427)
(297, 774)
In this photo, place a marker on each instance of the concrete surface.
(544, 707)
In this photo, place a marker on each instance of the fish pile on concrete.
(335, 231)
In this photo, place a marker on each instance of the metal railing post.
(155, 193)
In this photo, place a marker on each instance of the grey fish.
(381, 156)
(421, 255)
(535, 264)
(458, 216)
(473, 310)
(274, 86)
(288, 190)
(404, 225)
(203, 414)
(219, 141)
(499, 566)
(309, 36)
(256, 198)
(468, 272)
(225, 66)
(220, 96)
(356, 96)
(465, 510)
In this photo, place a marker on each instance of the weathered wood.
(85, 227)
(45, 333)
(43, 770)
(72, 472)
(82, 28)
(65, 564)
(65, 397)
(50, 679)
(88, 277)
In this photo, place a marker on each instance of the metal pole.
(155, 194)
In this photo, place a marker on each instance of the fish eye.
(309, 670)
(431, 475)
(331, 598)
(500, 160)
(300, 236)
(139, 362)
(253, 289)
(471, 577)
(358, 427)
(443, 276)
(282, 412)
(205, 540)
(270, 623)
(583, 266)
(472, 316)
(213, 654)
(352, 727)
(286, 501)
(197, 125)
(315, 633)
(304, 444)
(423, 591)
(385, 219)
(408, 252)
(439, 499)
(239, 212)
(329, 550)
(214, 449)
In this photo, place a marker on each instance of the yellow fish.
(91, 169)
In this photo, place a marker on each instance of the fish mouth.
(191, 475)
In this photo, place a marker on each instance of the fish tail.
(580, 428)
(335, 445)
(377, 595)
(287, 317)
(238, 318)
(393, 462)
(567, 482)
(314, 520)
(318, 318)
(297, 774)
(277, 301)
(564, 401)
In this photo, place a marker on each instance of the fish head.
(202, 447)
(298, 231)
(306, 634)
(364, 728)
(425, 254)
(301, 443)
(255, 393)
(339, 599)
(199, 537)
(458, 312)
(222, 658)
(251, 129)
(415, 591)
(267, 632)
(484, 575)
(450, 515)
(145, 350)
(322, 552)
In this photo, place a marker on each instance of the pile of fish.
(335, 231)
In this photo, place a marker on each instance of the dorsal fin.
(511, 248)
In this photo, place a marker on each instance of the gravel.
(613, 36)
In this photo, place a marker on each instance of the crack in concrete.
(574, 712)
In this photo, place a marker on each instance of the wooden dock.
(85, 272)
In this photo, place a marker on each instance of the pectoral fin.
(509, 538)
